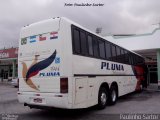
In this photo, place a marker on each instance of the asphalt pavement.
(145, 105)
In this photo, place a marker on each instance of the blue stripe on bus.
(32, 37)
(31, 41)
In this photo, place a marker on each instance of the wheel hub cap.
(103, 98)
(114, 96)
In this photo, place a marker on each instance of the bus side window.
(114, 58)
(84, 50)
(76, 41)
(134, 59)
(126, 57)
(90, 45)
(108, 51)
(118, 54)
(95, 47)
(101, 49)
(122, 56)
(130, 58)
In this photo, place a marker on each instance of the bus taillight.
(18, 84)
(64, 85)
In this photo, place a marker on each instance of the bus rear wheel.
(113, 95)
(103, 98)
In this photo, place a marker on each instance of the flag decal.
(32, 39)
(42, 38)
(53, 35)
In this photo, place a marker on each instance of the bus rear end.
(39, 66)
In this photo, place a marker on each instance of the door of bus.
(85, 89)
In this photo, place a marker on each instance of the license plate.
(37, 100)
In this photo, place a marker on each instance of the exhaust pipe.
(25, 104)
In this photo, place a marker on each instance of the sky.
(114, 17)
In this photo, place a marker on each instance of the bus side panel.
(86, 88)
(139, 73)
(85, 92)
(93, 67)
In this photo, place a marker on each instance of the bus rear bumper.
(44, 100)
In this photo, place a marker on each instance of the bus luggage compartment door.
(81, 90)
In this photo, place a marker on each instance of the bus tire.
(113, 96)
(103, 97)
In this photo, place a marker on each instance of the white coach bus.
(62, 64)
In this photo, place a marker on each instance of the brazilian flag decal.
(23, 41)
